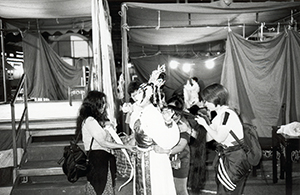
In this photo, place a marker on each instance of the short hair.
(216, 94)
(175, 103)
(133, 86)
(195, 79)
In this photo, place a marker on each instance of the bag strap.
(90, 148)
(231, 132)
(225, 118)
(77, 138)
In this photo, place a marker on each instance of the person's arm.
(218, 135)
(179, 147)
(100, 135)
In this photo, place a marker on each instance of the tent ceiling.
(46, 15)
(165, 24)
(44, 8)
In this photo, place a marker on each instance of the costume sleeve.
(154, 126)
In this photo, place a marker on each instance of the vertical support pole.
(26, 108)
(14, 141)
(3, 61)
(125, 58)
(125, 49)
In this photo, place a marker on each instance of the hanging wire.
(143, 50)
(262, 25)
(244, 30)
(228, 24)
(158, 20)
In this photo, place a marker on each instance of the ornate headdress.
(157, 80)
(158, 76)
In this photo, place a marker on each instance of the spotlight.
(173, 64)
(210, 64)
(186, 67)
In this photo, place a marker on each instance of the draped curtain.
(48, 76)
(262, 77)
(176, 78)
(104, 71)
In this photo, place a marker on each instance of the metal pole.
(125, 50)
(125, 59)
(26, 108)
(3, 61)
(14, 141)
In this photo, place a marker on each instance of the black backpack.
(76, 162)
(251, 144)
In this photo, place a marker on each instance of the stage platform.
(41, 110)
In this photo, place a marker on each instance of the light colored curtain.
(104, 71)
(48, 76)
(262, 77)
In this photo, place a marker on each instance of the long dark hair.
(91, 106)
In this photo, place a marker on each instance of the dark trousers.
(100, 161)
(221, 190)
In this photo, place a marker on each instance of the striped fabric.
(223, 176)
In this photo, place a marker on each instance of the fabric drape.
(187, 23)
(263, 76)
(176, 78)
(104, 70)
(48, 76)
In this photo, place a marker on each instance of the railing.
(18, 134)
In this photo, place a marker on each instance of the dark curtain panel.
(176, 78)
(47, 75)
(263, 76)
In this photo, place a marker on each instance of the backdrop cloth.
(176, 78)
(48, 76)
(263, 76)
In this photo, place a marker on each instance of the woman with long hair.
(92, 124)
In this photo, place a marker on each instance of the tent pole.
(203, 25)
(3, 62)
(125, 70)
(125, 50)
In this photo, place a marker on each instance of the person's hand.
(167, 115)
(127, 107)
(160, 150)
(201, 121)
(108, 124)
(131, 148)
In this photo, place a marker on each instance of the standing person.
(231, 157)
(180, 154)
(191, 92)
(131, 109)
(153, 172)
(92, 123)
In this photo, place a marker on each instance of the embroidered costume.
(153, 170)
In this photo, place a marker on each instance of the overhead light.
(186, 67)
(173, 64)
(210, 64)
